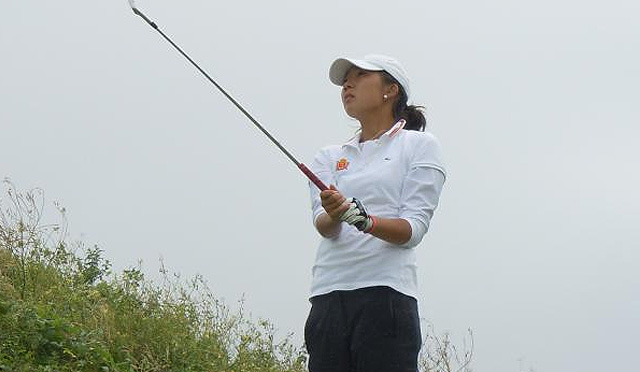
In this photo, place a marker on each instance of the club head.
(132, 4)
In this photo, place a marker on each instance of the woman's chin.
(351, 113)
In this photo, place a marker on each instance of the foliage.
(62, 309)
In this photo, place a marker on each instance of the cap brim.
(341, 66)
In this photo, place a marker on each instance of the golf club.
(312, 177)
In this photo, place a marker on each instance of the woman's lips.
(347, 97)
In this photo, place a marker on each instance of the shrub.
(62, 309)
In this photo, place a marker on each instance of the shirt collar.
(392, 132)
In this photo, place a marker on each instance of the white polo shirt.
(399, 175)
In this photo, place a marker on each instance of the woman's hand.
(334, 203)
(328, 224)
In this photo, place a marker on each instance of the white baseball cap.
(371, 62)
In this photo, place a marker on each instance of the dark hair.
(412, 114)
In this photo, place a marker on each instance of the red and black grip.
(312, 177)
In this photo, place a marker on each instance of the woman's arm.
(392, 230)
(328, 224)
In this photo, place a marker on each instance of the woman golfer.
(385, 185)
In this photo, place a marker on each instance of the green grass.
(63, 309)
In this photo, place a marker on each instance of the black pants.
(373, 329)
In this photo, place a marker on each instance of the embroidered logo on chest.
(342, 164)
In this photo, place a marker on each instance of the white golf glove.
(357, 216)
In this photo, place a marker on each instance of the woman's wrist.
(327, 226)
(372, 223)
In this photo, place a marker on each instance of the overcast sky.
(535, 245)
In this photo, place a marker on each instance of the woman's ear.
(392, 91)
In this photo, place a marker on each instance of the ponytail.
(412, 114)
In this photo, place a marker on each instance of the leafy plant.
(62, 309)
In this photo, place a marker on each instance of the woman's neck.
(375, 126)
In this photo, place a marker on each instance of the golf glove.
(357, 216)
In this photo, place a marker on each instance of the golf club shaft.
(310, 175)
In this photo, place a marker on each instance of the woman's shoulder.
(329, 151)
(423, 148)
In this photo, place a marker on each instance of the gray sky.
(534, 246)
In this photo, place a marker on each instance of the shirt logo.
(342, 164)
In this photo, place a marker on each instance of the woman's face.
(362, 92)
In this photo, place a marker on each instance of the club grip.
(312, 177)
